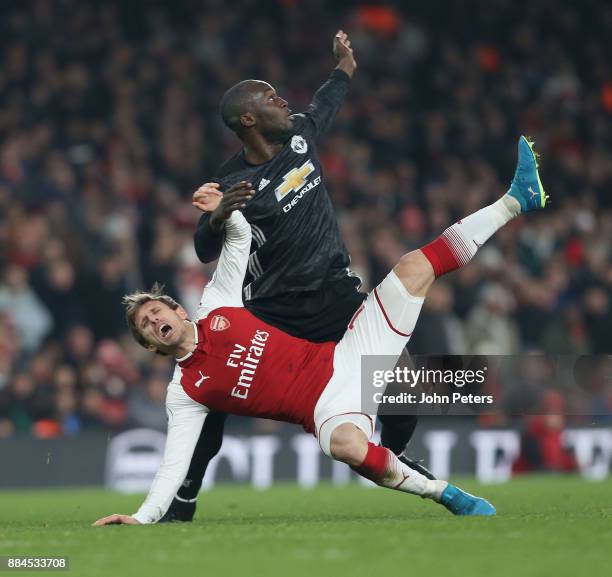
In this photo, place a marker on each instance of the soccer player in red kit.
(229, 360)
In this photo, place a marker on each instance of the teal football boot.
(459, 502)
(526, 185)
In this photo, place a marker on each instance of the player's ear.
(182, 313)
(247, 119)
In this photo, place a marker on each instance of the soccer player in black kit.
(298, 275)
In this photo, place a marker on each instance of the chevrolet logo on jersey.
(294, 180)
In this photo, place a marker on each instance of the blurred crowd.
(109, 121)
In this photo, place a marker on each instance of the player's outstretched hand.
(207, 197)
(344, 53)
(235, 198)
(116, 519)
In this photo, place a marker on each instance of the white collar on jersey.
(195, 338)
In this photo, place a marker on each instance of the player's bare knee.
(349, 444)
(415, 272)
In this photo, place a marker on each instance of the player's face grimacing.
(163, 328)
(272, 113)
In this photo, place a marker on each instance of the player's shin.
(384, 468)
(458, 244)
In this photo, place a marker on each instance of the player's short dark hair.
(235, 102)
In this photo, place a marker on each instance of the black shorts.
(317, 316)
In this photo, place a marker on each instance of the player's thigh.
(384, 324)
(341, 403)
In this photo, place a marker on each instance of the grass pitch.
(545, 526)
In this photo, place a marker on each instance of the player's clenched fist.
(235, 198)
(116, 519)
(207, 197)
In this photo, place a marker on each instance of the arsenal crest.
(219, 323)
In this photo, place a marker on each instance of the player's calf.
(416, 273)
(350, 445)
(459, 243)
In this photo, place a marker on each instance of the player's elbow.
(204, 255)
(206, 241)
(206, 250)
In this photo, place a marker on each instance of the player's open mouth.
(165, 330)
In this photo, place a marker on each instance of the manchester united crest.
(219, 323)
(299, 145)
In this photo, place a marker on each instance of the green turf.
(545, 526)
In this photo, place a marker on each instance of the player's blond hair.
(135, 300)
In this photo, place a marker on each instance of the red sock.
(448, 252)
(375, 466)
(458, 244)
(385, 469)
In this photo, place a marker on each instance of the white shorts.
(381, 326)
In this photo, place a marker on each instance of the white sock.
(458, 244)
(408, 480)
(384, 468)
(480, 226)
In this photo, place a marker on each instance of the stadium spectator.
(109, 122)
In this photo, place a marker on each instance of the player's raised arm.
(185, 420)
(208, 238)
(344, 53)
(329, 97)
(207, 241)
(225, 288)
